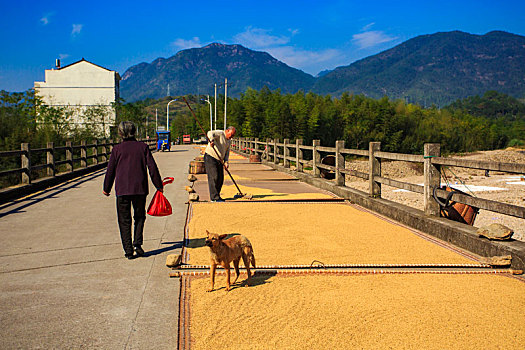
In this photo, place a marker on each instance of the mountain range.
(437, 68)
(195, 71)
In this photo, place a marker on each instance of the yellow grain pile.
(235, 156)
(361, 312)
(300, 233)
(228, 191)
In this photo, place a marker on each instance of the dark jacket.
(127, 167)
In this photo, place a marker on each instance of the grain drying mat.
(299, 233)
(268, 190)
(193, 289)
(364, 311)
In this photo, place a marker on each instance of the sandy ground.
(286, 233)
(506, 188)
(361, 312)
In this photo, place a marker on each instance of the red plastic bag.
(159, 205)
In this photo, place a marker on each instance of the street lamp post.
(211, 115)
(168, 115)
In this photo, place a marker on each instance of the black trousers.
(124, 204)
(215, 172)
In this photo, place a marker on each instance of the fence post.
(104, 151)
(267, 150)
(275, 151)
(432, 177)
(69, 156)
(298, 155)
(50, 159)
(95, 152)
(25, 159)
(316, 157)
(286, 153)
(339, 163)
(256, 146)
(83, 154)
(374, 169)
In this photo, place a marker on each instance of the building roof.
(84, 60)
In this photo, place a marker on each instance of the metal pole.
(211, 114)
(215, 107)
(156, 120)
(225, 100)
(168, 115)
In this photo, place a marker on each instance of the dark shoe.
(139, 250)
(130, 256)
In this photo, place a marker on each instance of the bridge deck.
(65, 282)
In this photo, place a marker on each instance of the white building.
(78, 87)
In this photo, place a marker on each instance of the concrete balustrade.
(54, 170)
(431, 159)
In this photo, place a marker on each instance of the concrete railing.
(71, 160)
(286, 153)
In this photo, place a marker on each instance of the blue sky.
(309, 35)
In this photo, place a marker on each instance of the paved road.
(64, 281)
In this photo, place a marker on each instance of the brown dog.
(223, 251)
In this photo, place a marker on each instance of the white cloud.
(279, 47)
(371, 38)
(368, 26)
(182, 44)
(77, 28)
(258, 38)
(304, 59)
(63, 56)
(46, 18)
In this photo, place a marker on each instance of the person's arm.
(227, 154)
(110, 172)
(153, 171)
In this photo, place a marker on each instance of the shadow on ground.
(173, 246)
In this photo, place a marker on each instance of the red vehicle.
(186, 139)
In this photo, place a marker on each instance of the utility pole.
(156, 121)
(225, 100)
(168, 90)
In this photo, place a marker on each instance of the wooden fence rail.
(276, 152)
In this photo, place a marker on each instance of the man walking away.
(219, 144)
(128, 165)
